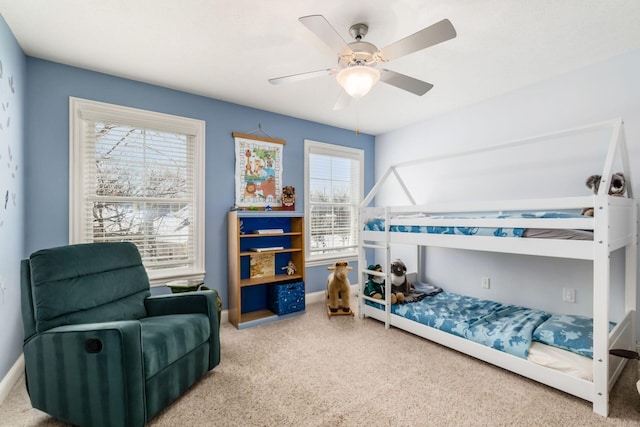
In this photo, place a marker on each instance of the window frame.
(333, 150)
(81, 110)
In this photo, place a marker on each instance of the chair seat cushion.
(165, 339)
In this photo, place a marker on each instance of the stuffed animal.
(290, 267)
(338, 287)
(288, 195)
(616, 188)
(374, 287)
(400, 286)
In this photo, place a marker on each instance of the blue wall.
(49, 87)
(12, 193)
(38, 215)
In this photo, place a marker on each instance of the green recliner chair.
(98, 349)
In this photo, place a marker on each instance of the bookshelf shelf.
(279, 251)
(269, 279)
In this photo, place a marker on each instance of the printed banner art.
(258, 173)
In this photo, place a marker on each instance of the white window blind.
(137, 176)
(333, 192)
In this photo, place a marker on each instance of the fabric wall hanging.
(258, 170)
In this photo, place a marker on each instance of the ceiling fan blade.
(325, 32)
(432, 35)
(401, 81)
(343, 101)
(302, 76)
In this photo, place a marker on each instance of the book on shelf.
(262, 265)
(270, 248)
(268, 231)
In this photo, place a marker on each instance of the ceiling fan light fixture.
(358, 80)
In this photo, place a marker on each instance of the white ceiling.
(228, 49)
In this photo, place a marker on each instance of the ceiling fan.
(359, 60)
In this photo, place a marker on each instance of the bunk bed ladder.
(363, 265)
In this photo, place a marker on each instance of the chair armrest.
(187, 303)
(182, 303)
(99, 364)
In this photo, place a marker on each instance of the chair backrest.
(84, 283)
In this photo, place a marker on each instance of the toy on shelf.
(288, 198)
(290, 267)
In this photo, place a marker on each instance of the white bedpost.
(630, 277)
(631, 250)
(362, 262)
(602, 276)
(626, 168)
(615, 144)
(386, 268)
(601, 285)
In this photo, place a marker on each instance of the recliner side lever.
(93, 345)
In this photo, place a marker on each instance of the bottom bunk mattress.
(560, 342)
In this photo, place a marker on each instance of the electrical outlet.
(485, 282)
(569, 295)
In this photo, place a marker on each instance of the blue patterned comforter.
(377, 224)
(573, 333)
(504, 327)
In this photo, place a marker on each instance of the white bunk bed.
(614, 227)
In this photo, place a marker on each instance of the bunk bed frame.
(614, 225)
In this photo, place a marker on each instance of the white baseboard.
(314, 297)
(12, 377)
(321, 295)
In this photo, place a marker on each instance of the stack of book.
(268, 231)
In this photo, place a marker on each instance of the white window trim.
(330, 150)
(83, 109)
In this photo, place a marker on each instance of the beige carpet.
(315, 371)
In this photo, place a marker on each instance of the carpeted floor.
(315, 371)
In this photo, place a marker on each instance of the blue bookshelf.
(261, 244)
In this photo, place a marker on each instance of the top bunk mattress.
(418, 223)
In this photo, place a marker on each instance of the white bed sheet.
(561, 360)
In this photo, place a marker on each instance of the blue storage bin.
(286, 297)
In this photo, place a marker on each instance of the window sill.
(163, 281)
(330, 261)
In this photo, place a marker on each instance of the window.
(138, 176)
(333, 192)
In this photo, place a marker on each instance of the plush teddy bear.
(616, 188)
(400, 286)
(374, 287)
(338, 287)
